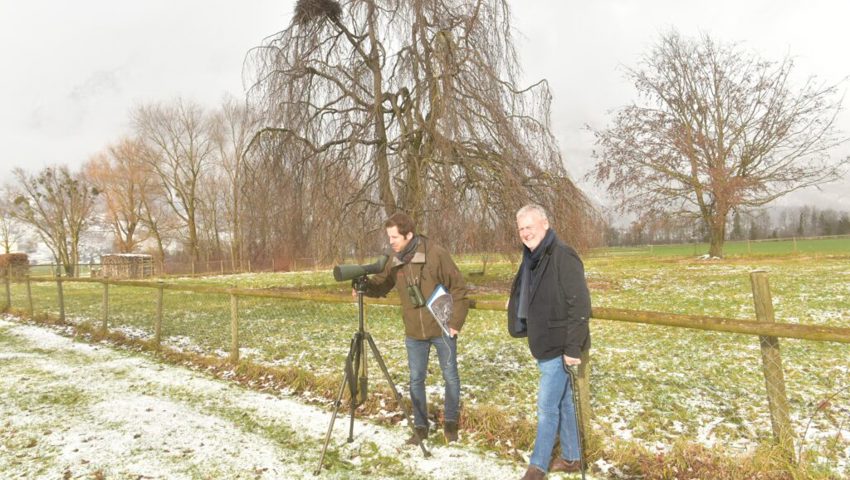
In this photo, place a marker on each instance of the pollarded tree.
(716, 130)
(58, 205)
(419, 101)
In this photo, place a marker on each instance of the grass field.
(806, 246)
(653, 389)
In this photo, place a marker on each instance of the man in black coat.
(550, 304)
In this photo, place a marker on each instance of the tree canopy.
(58, 205)
(411, 106)
(716, 129)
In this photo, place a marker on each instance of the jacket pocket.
(557, 323)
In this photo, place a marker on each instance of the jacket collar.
(418, 257)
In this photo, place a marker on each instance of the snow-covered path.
(75, 410)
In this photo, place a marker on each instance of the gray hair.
(532, 208)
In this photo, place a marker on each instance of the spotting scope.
(349, 272)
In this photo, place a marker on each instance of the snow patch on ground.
(127, 428)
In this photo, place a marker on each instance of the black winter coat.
(559, 309)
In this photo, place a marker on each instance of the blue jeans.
(417, 361)
(555, 414)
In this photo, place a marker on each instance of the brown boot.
(450, 431)
(419, 434)
(533, 473)
(561, 465)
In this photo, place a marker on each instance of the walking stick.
(571, 371)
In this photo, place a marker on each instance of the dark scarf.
(529, 264)
(406, 255)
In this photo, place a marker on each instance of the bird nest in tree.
(18, 263)
(307, 11)
(126, 265)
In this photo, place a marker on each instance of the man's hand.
(453, 332)
(570, 361)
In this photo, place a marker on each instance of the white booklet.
(440, 305)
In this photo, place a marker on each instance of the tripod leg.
(571, 372)
(346, 379)
(380, 360)
(352, 372)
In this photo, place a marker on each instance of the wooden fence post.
(105, 324)
(29, 296)
(234, 328)
(61, 298)
(157, 329)
(774, 376)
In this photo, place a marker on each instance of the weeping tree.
(418, 103)
(295, 208)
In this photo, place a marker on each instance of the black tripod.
(356, 377)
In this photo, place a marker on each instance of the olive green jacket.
(431, 265)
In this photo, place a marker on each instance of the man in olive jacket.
(550, 304)
(416, 269)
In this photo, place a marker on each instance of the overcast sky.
(72, 71)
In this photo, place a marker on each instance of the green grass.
(651, 386)
(805, 246)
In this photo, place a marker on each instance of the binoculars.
(415, 295)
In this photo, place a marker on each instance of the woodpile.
(18, 262)
(126, 265)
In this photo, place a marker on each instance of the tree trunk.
(374, 62)
(194, 249)
(717, 236)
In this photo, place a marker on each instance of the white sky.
(72, 71)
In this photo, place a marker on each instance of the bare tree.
(10, 231)
(58, 205)
(716, 129)
(179, 147)
(159, 218)
(419, 103)
(234, 125)
(294, 205)
(124, 178)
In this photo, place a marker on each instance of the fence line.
(699, 322)
(764, 326)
